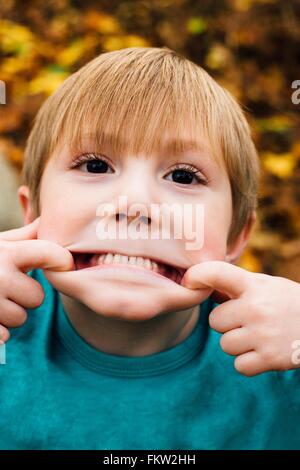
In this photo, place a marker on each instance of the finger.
(220, 275)
(12, 315)
(27, 232)
(4, 334)
(30, 254)
(25, 291)
(238, 341)
(249, 364)
(228, 316)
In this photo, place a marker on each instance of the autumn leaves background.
(252, 47)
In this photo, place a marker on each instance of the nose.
(135, 194)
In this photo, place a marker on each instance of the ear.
(26, 205)
(235, 250)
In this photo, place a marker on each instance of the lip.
(132, 268)
(162, 260)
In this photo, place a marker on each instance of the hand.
(259, 315)
(20, 252)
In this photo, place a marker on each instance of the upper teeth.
(109, 258)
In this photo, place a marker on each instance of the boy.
(117, 352)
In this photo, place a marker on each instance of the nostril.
(120, 217)
(145, 220)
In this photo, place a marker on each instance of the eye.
(186, 174)
(91, 163)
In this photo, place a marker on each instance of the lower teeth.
(165, 271)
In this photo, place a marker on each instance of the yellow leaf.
(14, 65)
(101, 22)
(245, 5)
(217, 57)
(75, 51)
(121, 42)
(281, 165)
(196, 25)
(274, 123)
(47, 82)
(15, 38)
(250, 262)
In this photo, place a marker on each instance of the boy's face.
(69, 202)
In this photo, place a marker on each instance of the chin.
(125, 306)
(131, 295)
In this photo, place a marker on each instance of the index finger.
(45, 254)
(224, 277)
(27, 232)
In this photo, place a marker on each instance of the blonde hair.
(129, 99)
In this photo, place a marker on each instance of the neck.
(125, 338)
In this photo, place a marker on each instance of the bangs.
(158, 104)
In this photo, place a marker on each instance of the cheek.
(64, 212)
(214, 249)
(217, 222)
(216, 231)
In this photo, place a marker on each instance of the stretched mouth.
(91, 260)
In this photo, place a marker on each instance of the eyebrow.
(179, 146)
(176, 146)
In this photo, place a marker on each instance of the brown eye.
(182, 176)
(92, 163)
(187, 174)
(97, 166)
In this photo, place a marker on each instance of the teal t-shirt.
(58, 392)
